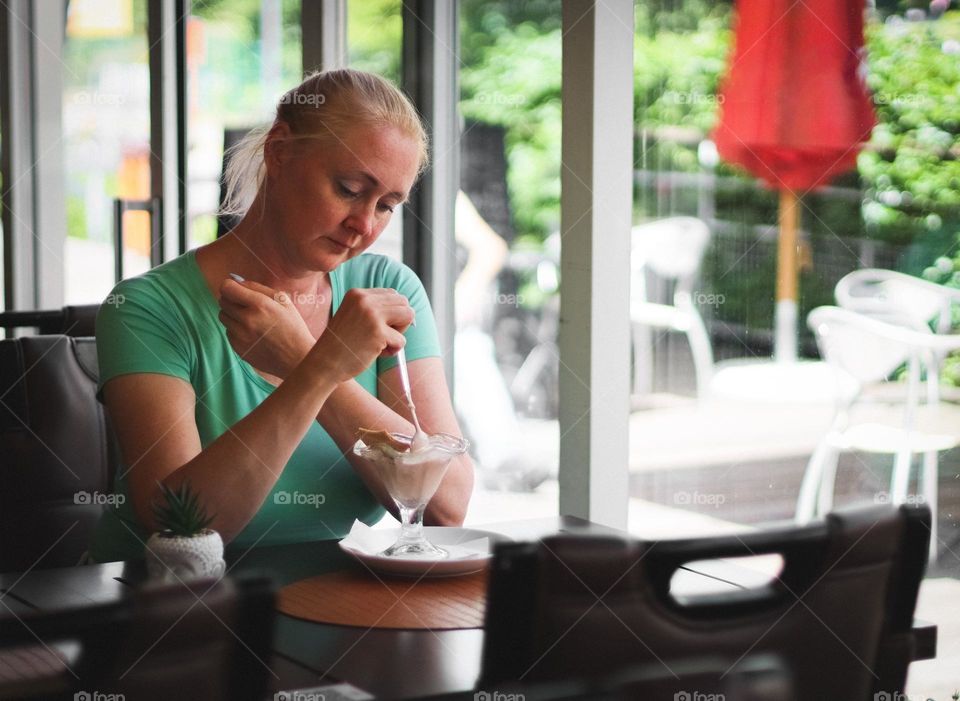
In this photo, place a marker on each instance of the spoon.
(420, 439)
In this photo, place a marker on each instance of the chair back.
(77, 320)
(672, 249)
(866, 348)
(219, 649)
(208, 641)
(898, 298)
(59, 452)
(839, 614)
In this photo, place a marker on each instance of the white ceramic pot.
(179, 558)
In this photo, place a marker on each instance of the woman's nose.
(361, 219)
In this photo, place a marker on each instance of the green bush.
(511, 77)
(911, 173)
(374, 36)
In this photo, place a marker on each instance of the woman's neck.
(255, 254)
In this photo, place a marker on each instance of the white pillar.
(33, 203)
(431, 79)
(596, 213)
(168, 168)
(49, 29)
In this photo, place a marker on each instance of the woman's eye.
(386, 208)
(346, 191)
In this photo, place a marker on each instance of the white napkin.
(368, 541)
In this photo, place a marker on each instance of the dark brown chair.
(161, 643)
(58, 451)
(840, 614)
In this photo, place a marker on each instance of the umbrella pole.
(785, 340)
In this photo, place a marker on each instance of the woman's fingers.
(228, 317)
(233, 291)
(369, 323)
(399, 316)
(233, 309)
(262, 289)
(395, 341)
(250, 302)
(395, 307)
(250, 293)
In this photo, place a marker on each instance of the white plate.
(437, 535)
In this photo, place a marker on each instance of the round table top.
(361, 598)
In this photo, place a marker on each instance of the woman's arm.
(272, 337)
(153, 416)
(351, 406)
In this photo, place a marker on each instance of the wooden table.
(394, 663)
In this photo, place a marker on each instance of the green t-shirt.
(165, 322)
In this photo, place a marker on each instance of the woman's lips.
(340, 247)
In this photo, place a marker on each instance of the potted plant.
(184, 548)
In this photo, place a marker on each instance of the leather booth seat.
(57, 451)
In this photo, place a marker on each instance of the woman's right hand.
(368, 324)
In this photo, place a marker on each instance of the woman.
(253, 391)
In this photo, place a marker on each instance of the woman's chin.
(324, 261)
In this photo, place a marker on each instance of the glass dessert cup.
(412, 478)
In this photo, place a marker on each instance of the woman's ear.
(275, 148)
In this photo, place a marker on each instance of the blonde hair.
(325, 105)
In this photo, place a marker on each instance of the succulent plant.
(180, 512)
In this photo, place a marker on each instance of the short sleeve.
(422, 339)
(138, 332)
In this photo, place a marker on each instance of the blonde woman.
(253, 391)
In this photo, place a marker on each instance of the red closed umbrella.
(795, 112)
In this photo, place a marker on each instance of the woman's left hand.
(264, 327)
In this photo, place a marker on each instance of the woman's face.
(328, 200)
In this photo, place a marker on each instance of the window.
(374, 43)
(106, 142)
(239, 62)
(507, 231)
(709, 455)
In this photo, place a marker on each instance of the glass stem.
(411, 523)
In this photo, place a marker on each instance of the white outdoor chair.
(670, 251)
(867, 350)
(888, 294)
(901, 299)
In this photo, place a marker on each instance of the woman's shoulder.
(376, 270)
(165, 279)
(370, 270)
(151, 322)
(165, 292)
